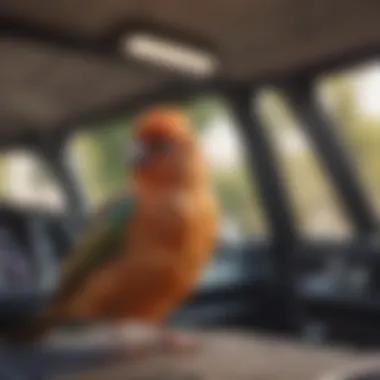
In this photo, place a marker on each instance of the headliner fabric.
(44, 85)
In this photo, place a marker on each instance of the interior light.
(170, 55)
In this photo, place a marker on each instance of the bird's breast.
(180, 227)
(170, 245)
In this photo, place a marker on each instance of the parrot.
(144, 251)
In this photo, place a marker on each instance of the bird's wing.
(100, 242)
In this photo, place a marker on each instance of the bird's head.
(165, 151)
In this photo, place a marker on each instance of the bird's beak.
(138, 154)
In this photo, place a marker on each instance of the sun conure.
(144, 252)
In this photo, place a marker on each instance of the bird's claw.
(142, 341)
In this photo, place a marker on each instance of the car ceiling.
(61, 64)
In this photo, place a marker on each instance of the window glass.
(98, 155)
(315, 201)
(24, 180)
(353, 100)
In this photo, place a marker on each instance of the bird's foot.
(178, 342)
(146, 341)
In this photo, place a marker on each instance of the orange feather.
(171, 238)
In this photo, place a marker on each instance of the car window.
(313, 196)
(25, 180)
(352, 98)
(98, 156)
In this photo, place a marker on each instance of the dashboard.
(30, 244)
(16, 267)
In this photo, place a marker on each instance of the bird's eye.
(164, 146)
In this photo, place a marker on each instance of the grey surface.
(98, 353)
(240, 356)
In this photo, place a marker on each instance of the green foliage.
(101, 154)
(361, 134)
(203, 109)
(239, 200)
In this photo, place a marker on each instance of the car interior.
(69, 68)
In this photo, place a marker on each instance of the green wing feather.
(100, 243)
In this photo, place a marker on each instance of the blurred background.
(97, 155)
(285, 99)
